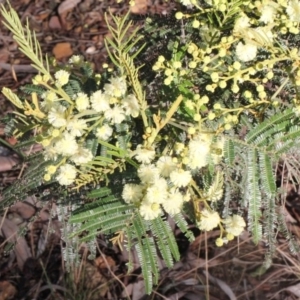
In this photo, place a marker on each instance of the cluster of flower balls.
(164, 184)
(71, 122)
(282, 14)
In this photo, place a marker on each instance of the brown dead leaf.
(7, 290)
(93, 280)
(91, 50)
(13, 74)
(10, 231)
(138, 290)
(62, 50)
(140, 7)
(24, 209)
(102, 263)
(93, 17)
(6, 163)
(223, 285)
(67, 6)
(54, 23)
(13, 47)
(295, 289)
(11, 140)
(4, 55)
(64, 8)
(43, 15)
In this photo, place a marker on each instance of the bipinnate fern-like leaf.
(165, 241)
(287, 138)
(260, 132)
(282, 225)
(122, 48)
(32, 179)
(92, 145)
(146, 251)
(25, 144)
(27, 41)
(73, 87)
(263, 146)
(253, 195)
(124, 39)
(123, 136)
(12, 97)
(132, 72)
(183, 226)
(270, 223)
(98, 193)
(229, 152)
(31, 88)
(108, 214)
(267, 177)
(215, 190)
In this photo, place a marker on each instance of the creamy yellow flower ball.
(45, 142)
(177, 64)
(192, 65)
(47, 177)
(191, 130)
(168, 81)
(161, 59)
(205, 99)
(227, 126)
(222, 7)
(247, 94)
(206, 59)
(270, 75)
(197, 117)
(211, 116)
(217, 106)
(219, 242)
(196, 24)
(229, 236)
(209, 88)
(179, 15)
(235, 88)
(208, 50)
(214, 76)
(260, 88)
(51, 169)
(168, 72)
(196, 97)
(234, 119)
(222, 84)
(55, 133)
(222, 52)
(237, 65)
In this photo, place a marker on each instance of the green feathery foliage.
(31, 88)
(26, 40)
(8, 93)
(261, 149)
(258, 133)
(30, 182)
(108, 214)
(122, 49)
